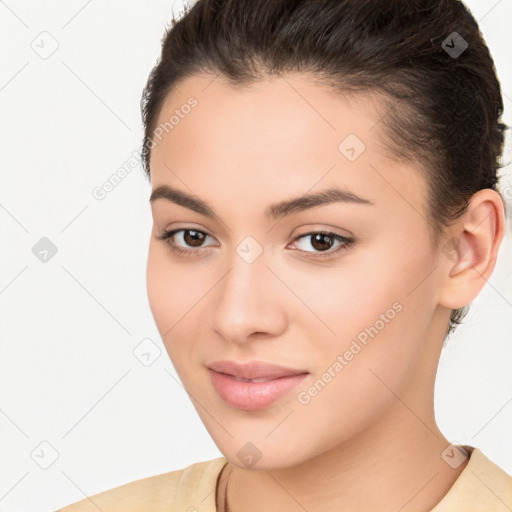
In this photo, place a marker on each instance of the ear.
(470, 248)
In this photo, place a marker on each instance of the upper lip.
(253, 369)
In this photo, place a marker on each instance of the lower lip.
(251, 396)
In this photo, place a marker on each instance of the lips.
(253, 385)
(254, 370)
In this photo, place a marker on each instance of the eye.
(193, 237)
(323, 241)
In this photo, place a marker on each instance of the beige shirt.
(481, 487)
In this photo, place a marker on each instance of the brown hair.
(427, 57)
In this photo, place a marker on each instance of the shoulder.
(191, 488)
(481, 487)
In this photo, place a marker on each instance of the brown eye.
(321, 241)
(185, 242)
(193, 238)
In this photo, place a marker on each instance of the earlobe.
(469, 254)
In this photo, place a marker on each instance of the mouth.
(254, 370)
(241, 379)
(254, 385)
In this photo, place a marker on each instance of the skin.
(372, 426)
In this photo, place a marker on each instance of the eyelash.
(167, 236)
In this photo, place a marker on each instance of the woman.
(325, 206)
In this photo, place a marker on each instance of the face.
(341, 292)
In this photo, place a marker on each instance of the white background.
(69, 326)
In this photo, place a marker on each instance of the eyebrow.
(275, 211)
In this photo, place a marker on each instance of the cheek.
(158, 281)
(353, 297)
(177, 295)
(171, 294)
(376, 313)
(357, 372)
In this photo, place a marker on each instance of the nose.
(249, 302)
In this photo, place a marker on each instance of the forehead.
(281, 111)
(282, 133)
